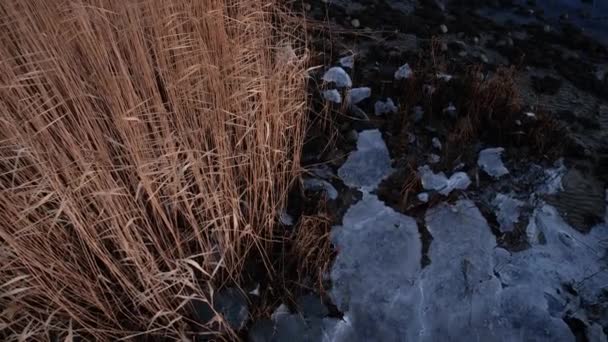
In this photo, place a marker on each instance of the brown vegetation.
(145, 150)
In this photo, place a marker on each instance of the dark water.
(589, 15)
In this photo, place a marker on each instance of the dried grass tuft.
(145, 150)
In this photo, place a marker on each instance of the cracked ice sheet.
(366, 167)
(461, 278)
(562, 256)
(374, 273)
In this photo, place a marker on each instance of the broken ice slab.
(385, 107)
(357, 95)
(338, 76)
(490, 161)
(373, 276)
(436, 143)
(423, 197)
(554, 178)
(404, 72)
(508, 210)
(285, 219)
(347, 61)
(332, 95)
(440, 183)
(369, 164)
(315, 184)
(444, 77)
(434, 159)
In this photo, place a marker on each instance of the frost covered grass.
(146, 150)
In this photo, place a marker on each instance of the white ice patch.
(440, 183)
(436, 143)
(554, 177)
(338, 76)
(385, 107)
(347, 61)
(316, 184)
(357, 95)
(367, 166)
(285, 218)
(490, 161)
(508, 210)
(332, 95)
(404, 72)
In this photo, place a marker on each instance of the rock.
(547, 28)
(385, 107)
(232, 304)
(338, 76)
(443, 28)
(307, 7)
(352, 135)
(366, 167)
(404, 72)
(433, 158)
(508, 211)
(347, 61)
(357, 95)
(490, 161)
(355, 23)
(332, 95)
(484, 58)
(440, 183)
(311, 306)
(315, 184)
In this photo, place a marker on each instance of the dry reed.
(145, 150)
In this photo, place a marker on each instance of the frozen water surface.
(508, 210)
(374, 274)
(369, 164)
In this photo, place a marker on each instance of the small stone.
(418, 113)
(547, 28)
(462, 54)
(355, 23)
(428, 90)
(443, 28)
(484, 58)
(307, 7)
(475, 40)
